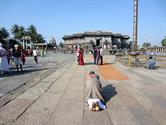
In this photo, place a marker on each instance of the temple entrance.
(97, 42)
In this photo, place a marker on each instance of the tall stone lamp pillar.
(135, 24)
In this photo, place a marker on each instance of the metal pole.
(135, 24)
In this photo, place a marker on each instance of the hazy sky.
(64, 17)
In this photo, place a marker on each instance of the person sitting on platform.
(152, 61)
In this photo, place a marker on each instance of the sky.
(56, 18)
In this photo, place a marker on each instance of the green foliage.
(4, 33)
(146, 45)
(35, 37)
(32, 32)
(163, 42)
(19, 32)
(40, 39)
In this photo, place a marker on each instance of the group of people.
(93, 87)
(97, 55)
(16, 55)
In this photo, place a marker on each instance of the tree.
(14, 30)
(32, 32)
(22, 32)
(40, 39)
(163, 42)
(146, 45)
(4, 34)
(18, 31)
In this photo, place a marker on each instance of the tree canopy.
(4, 33)
(146, 45)
(40, 39)
(19, 32)
(163, 42)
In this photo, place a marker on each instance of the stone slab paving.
(70, 108)
(17, 82)
(42, 110)
(12, 111)
(59, 99)
(143, 95)
(94, 118)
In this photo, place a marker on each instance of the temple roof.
(96, 33)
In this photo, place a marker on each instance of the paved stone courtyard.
(137, 98)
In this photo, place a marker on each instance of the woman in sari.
(4, 61)
(81, 57)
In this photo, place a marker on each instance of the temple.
(107, 40)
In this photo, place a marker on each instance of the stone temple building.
(87, 40)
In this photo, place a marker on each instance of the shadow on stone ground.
(109, 92)
(25, 71)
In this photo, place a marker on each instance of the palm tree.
(22, 32)
(14, 31)
(4, 34)
(32, 32)
(18, 31)
(40, 39)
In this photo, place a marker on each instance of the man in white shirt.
(35, 55)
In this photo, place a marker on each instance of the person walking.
(77, 53)
(17, 57)
(101, 56)
(10, 56)
(23, 56)
(35, 55)
(94, 54)
(4, 60)
(98, 56)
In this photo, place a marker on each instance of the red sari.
(81, 59)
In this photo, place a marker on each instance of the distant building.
(107, 40)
